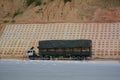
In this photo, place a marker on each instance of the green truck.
(74, 49)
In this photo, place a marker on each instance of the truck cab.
(32, 55)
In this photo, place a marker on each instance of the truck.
(71, 49)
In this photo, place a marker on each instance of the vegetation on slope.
(52, 10)
(37, 2)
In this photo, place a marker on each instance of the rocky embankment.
(19, 11)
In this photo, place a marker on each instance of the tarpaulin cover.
(64, 43)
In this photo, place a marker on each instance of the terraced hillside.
(18, 38)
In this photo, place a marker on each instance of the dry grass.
(55, 10)
(88, 7)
